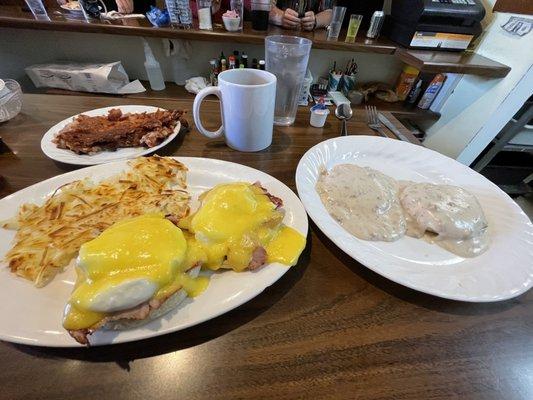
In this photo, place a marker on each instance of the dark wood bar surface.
(172, 91)
(428, 61)
(328, 329)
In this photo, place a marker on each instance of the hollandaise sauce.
(286, 246)
(130, 263)
(234, 220)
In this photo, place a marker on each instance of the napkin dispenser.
(435, 24)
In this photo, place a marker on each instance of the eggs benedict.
(239, 226)
(134, 271)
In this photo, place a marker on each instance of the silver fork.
(373, 121)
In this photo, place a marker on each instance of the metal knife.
(385, 121)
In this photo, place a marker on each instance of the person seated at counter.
(218, 7)
(283, 14)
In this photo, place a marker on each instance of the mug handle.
(196, 112)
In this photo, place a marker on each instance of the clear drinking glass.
(336, 23)
(204, 14)
(260, 13)
(353, 27)
(238, 6)
(287, 57)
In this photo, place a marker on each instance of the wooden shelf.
(399, 110)
(428, 61)
(15, 17)
(444, 61)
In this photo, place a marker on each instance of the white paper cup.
(231, 24)
(318, 117)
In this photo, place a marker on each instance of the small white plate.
(33, 316)
(67, 156)
(504, 271)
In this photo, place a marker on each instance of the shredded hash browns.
(50, 235)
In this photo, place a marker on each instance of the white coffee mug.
(247, 97)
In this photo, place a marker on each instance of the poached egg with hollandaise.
(239, 226)
(140, 268)
(134, 271)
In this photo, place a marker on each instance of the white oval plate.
(33, 316)
(69, 157)
(504, 271)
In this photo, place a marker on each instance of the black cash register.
(435, 24)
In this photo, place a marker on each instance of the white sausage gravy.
(373, 206)
(364, 201)
(448, 211)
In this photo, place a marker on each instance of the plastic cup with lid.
(318, 116)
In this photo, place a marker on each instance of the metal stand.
(509, 132)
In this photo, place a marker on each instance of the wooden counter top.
(173, 91)
(328, 329)
(429, 61)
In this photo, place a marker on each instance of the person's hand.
(125, 6)
(290, 19)
(309, 21)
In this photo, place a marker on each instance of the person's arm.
(313, 21)
(287, 19)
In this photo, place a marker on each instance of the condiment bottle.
(214, 72)
(419, 87)
(262, 64)
(431, 92)
(231, 62)
(204, 14)
(153, 69)
(405, 81)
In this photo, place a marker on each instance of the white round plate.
(33, 316)
(69, 157)
(504, 271)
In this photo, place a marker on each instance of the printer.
(435, 24)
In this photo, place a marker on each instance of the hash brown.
(49, 235)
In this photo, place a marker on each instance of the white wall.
(20, 48)
(479, 107)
